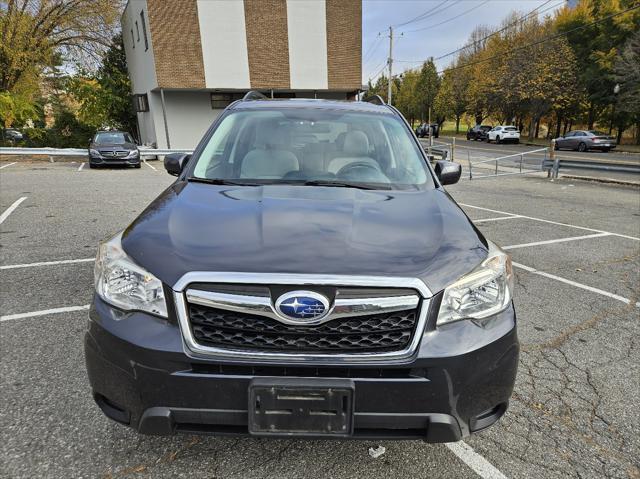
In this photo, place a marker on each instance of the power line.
(543, 40)
(372, 48)
(524, 17)
(432, 11)
(503, 29)
(449, 19)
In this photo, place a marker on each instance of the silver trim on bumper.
(259, 305)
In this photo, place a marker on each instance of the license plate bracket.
(301, 407)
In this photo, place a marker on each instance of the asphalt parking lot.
(574, 411)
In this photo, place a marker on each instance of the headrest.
(356, 143)
(271, 135)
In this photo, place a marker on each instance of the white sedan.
(502, 133)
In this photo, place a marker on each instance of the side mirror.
(448, 172)
(175, 163)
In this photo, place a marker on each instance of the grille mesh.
(377, 332)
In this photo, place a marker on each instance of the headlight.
(483, 292)
(124, 284)
(133, 154)
(93, 152)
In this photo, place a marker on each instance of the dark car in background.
(585, 140)
(306, 275)
(426, 129)
(478, 132)
(12, 135)
(110, 148)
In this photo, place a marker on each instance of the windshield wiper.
(345, 184)
(220, 181)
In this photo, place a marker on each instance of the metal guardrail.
(81, 151)
(554, 166)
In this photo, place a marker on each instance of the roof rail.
(254, 95)
(376, 99)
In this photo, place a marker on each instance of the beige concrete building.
(188, 59)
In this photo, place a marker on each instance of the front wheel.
(555, 146)
(582, 147)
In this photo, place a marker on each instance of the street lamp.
(616, 90)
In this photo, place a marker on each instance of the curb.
(611, 181)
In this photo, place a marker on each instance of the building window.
(133, 40)
(144, 30)
(141, 102)
(220, 101)
(138, 31)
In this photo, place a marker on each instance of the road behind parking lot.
(478, 151)
(573, 413)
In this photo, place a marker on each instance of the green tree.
(105, 98)
(427, 87)
(627, 76)
(407, 99)
(596, 42)
(451, 100)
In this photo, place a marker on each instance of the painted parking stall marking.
(47, 263)
(44, 312)
(550, 221)
(11, 209)
(7, 165)
(475, 461)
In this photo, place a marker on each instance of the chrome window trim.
(264, 306)
(193, 349)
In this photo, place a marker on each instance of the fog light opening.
(488, 417)
(112, 410)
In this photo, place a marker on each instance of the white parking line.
(529, 269)
(150, 166)
(81, 166)
(475, 461)
(46, 263)
(484, 220)
(10, 317)
(8, 164)
(551, 222)
(559, 240)
(10, 209)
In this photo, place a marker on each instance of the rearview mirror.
(175, 163)
(448, 172)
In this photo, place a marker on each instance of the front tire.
(582, 147)
(92, 166)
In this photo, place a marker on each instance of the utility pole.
(390, 62)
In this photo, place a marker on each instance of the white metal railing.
(515, 164)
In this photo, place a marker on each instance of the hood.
(305, 230)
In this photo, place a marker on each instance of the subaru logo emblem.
(302, 306)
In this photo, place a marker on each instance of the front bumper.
(459, 381)
(98, 160)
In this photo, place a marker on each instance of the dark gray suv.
(306, 275)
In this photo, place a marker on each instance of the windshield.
(112, 137)
(296, 146)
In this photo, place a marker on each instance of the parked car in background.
(585, 140)
(502, 133)
(423, 130)
(113, 148)
(307, 265)
(12, 135)
(478, 132)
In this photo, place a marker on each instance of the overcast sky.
(425, 37)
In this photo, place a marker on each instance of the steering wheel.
(357, 165)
